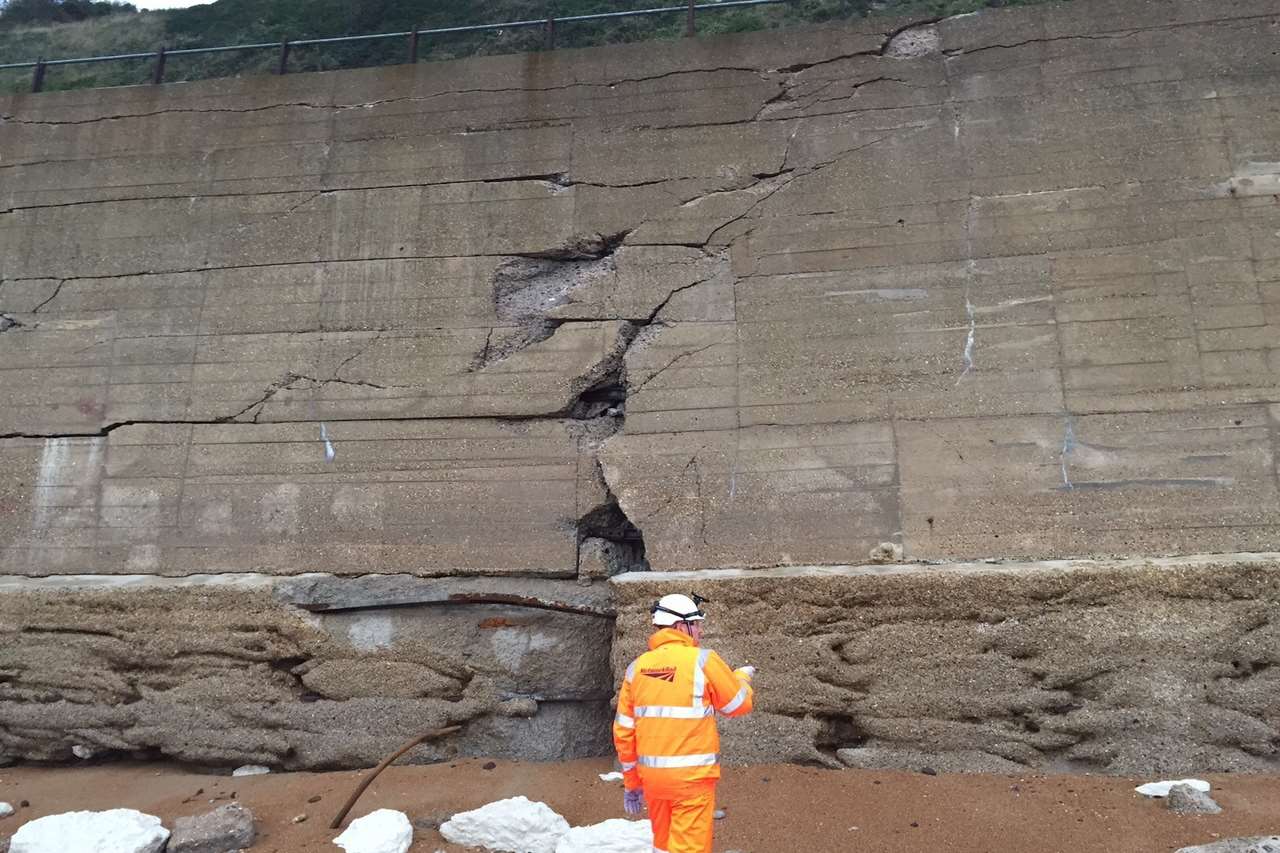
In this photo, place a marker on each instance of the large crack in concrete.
(527, 290)
(553, 180)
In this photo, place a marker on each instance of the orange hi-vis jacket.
(665, 728)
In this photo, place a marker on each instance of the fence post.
(413, 44)
(158, 76)
(550, 34)
(37, 77)
(690, 27)
(284, 57)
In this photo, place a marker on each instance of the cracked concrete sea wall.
(1004, 285)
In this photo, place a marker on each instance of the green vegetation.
(16, 12)
(227, 22)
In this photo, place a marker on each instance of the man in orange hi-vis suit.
(665, 729)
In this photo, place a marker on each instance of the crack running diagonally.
(672, 362)
(51, 297)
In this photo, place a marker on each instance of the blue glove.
(633, 801)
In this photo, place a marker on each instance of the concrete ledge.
(983, 567)
(332, 593)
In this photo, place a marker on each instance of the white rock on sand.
(381, 831)
(514, 825)
(1161, 789)
(611, 836)
(250, 770)
(5, 809)
(114, 831)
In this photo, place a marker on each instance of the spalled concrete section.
(225, 673)
(1134, 666)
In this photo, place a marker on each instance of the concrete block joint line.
(939, 355)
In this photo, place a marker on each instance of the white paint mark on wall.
(1068, 445)
(65, 479)
(329, 452)
(1014, 303)
(1058, 191)
(885, 293)
(53, 458)
(970, 271)
(969, 341)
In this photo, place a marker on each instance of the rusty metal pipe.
(434, 734)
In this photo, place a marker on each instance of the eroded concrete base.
(1125, 666)
(1128, 666)
(239, 670)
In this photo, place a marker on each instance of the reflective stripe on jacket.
(665, 728)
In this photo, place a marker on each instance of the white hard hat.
(674, 608)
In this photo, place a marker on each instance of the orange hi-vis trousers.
(683, 826)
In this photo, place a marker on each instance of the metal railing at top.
(414, 36)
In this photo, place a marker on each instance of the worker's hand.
(633, 801)
(747, 672)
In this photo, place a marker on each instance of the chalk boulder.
(251, 770)
(382, 831)
(611, 836)
(113, 831)
(514, 825)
